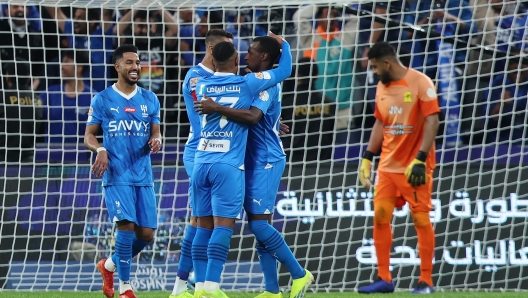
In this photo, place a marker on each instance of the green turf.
(7, 294)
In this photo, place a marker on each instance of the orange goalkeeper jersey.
(402, 107)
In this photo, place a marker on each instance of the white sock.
(109, 265)
(198, 286)
(180, 286)
(210, 286)
(124, 286)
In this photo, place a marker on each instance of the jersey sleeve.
(155, 116)
(95, 112)
(428, 98)
(260, 81)
(262, 101)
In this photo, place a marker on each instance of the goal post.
(54, 225)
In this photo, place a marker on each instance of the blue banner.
(448, 88)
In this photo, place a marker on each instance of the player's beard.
(385, 78)
(129, 81)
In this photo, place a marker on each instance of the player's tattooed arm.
(155, 138)
(90, 141)
(209, 106)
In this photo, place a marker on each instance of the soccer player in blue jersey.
(218, 182)
(264, 165)
(202, 70)
(129, 117)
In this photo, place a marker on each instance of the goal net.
(57, 54)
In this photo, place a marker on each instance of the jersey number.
(230, 100)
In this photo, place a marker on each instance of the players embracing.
(264, 164)
(406, 124)
(129, 117)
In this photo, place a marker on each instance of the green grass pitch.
(8, 294)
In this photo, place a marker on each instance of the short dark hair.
(270, 46)
(223, 51)
(126, 48)
(214, 35)
(19, 72)
(381, 50)
(80, 57)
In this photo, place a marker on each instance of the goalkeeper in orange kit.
(406, 124)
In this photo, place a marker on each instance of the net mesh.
(55, 225)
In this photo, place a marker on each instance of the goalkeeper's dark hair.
(381, 50)
(80, 57)
(223, 51)
(19, 73)
(214, 36)
(268, 45)
(126, 48)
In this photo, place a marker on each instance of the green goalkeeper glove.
(415, 172)
(364, 169)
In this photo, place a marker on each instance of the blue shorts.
(262, 185)
(218, 190)
(189, 165)
(136, 204)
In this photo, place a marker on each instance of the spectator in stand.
(333, 50)
(66, 105)
(195, 36)
(448, 18)
(310, 116)
(157, 51)
(507, 103)
(501, 24)
(91, 30)
(21, 40)
(20, 113)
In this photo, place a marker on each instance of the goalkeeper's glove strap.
(421, 156)
(368, 155)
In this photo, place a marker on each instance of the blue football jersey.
(264, 145)
(222, 140)
(125, 121)
(189, 96)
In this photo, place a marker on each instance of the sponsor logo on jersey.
(144, 109)
(214, 145)
(193, 82)
(395, 110)
(123, 128)
(130, 110)
(407, 97)
(218, 134)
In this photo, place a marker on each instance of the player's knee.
(255, 226)
(145, 234)
(382, 215)
(421, 219)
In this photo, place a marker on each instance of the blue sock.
(269, 267)
(217, 252)
(123, 254)
(186, 262)
(275, 244)
(199, 253)
(138, 245)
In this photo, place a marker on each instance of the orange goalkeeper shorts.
(395, 185)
